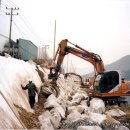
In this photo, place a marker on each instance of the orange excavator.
(107, 85)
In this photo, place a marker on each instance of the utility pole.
(11, 19)
(45, 48)
(67, 63)
(0, 4)
(54, 40)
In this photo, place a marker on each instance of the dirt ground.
(125, 120)
(29, 119)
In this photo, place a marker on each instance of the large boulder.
(55, 118)
(89, 128)
(96, 118)
(78, 97)
(78, 108)
(45, 121)
(52, 102)
(115, 112)
(74, 116)
(97, 105)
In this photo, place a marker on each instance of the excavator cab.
(106, 81)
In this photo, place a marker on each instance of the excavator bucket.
(53, 75)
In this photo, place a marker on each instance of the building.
(21, 49)
(3, 41)
(27, 50)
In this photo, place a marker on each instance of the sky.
(99, 26)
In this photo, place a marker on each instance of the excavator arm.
(60, 54)
(63, 50)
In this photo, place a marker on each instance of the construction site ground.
(125, 120)
(31, 121)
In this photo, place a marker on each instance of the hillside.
(123, 65)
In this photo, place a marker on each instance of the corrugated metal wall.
(3, 41)
(27, 50)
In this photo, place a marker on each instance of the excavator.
(107, 85)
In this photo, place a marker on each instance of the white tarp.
(13, 73)
(8, 119)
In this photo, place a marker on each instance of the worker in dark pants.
(32, 90)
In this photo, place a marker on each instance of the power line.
(54, 39)
(4, 4)
(46, 47)
(26, 30)
(21, 32)
(24, 20)
(4, 36)
(28, 25)
(2, 7)
(11, 3)
(22, 28)
(3, 11)
(0, 4)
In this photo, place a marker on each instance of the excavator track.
(120, 101)
(109, 101)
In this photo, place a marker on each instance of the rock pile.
(69, 110)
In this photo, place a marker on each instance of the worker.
(32, 90)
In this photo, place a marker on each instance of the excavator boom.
(64, 49)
